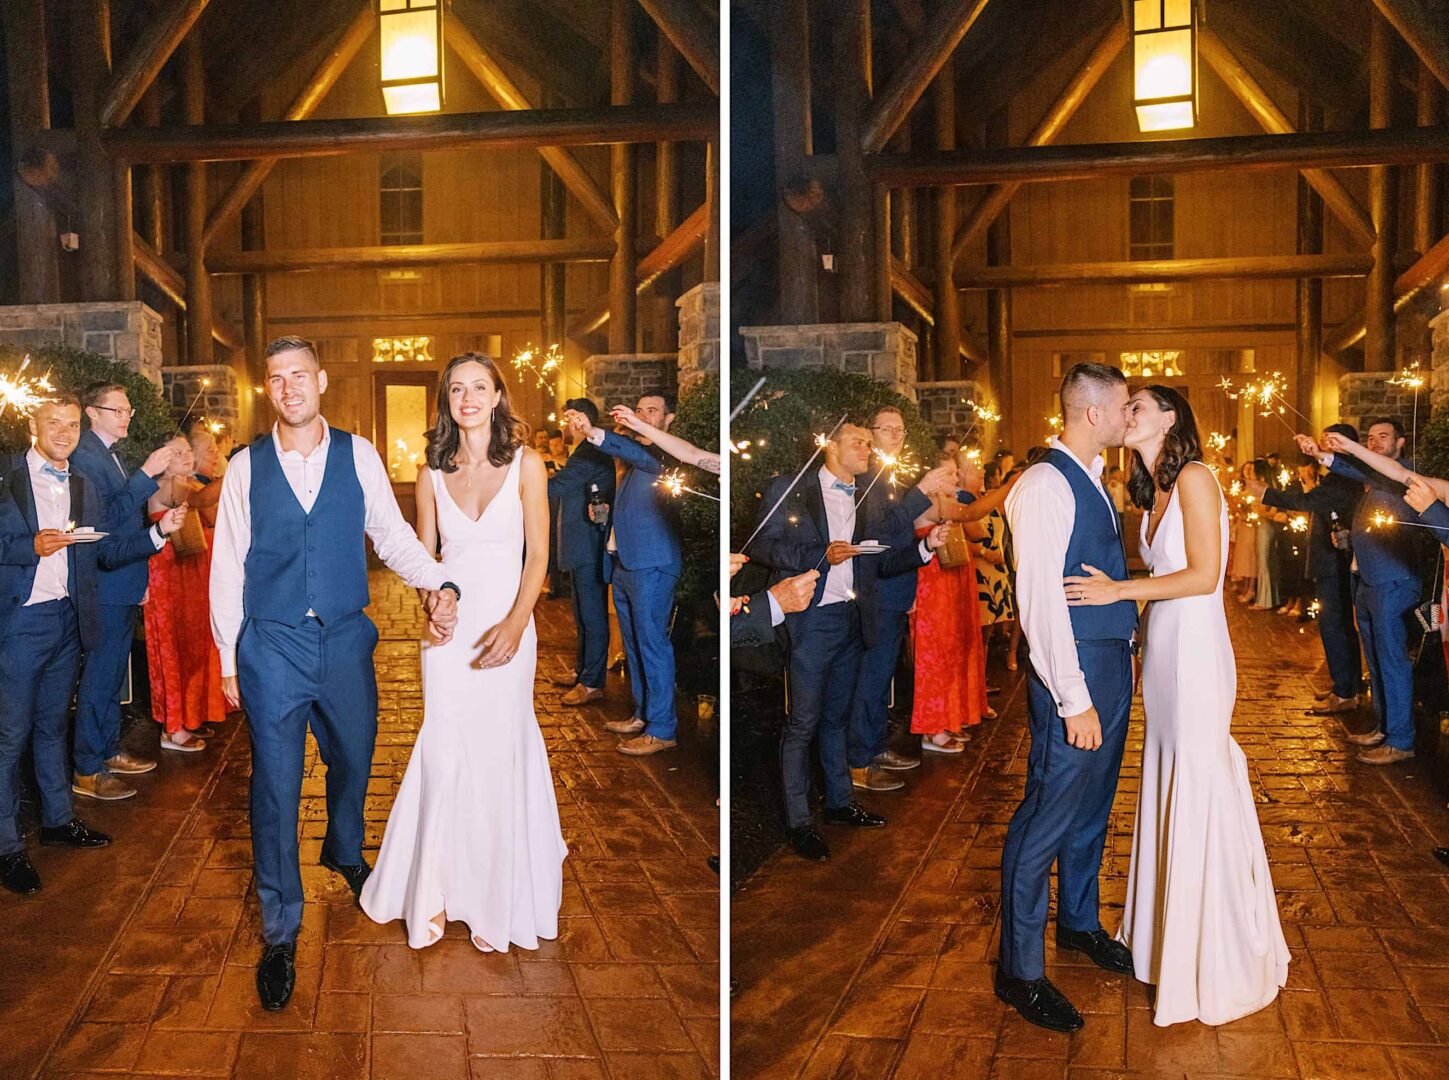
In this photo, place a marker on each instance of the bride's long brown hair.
(443, 438)
(1179, 446)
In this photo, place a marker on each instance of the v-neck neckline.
(1153, 531)
(443, 479)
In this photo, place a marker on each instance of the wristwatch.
(457, 592)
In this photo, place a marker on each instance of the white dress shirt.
(1042, 512)
(52, 511)
(393, 539)
(840, 515)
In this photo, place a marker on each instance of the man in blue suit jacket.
(48, 615)
(643, 566)
(122, 495)
(580, 548)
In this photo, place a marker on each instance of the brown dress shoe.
(874, 778)
(124, 764)
(582, 695)
(1385, 755)
(644, 745)
(631, 726)
(568, 678)
(889, 759)
(101, 785)
(1333, 704)
(1366, 738)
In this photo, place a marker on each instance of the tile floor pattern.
(884, 957)
(628, 990)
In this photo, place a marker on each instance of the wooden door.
(403, 410)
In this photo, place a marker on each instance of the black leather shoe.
(1039, 1002)
(354, 875)
(276, 975)
(17, 875)
(1442, 854)
(854, 814)
(808, 845)
(73, 834)
(1102, 950)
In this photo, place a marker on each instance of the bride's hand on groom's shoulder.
(1093, 590)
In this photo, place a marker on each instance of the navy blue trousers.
(1063, 815)
(644, 599)
(591, 617)
(1338, 634)
(1384, 611)
(870, 710)
(825, 655)
(98, 702)
(291, 677)
(39, 663)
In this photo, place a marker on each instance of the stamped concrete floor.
(882, 959)
(139, 959)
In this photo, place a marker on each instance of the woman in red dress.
(185, 669)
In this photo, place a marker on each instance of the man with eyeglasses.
(99, 760)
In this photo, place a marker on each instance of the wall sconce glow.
(412, 55)
(1164, 64)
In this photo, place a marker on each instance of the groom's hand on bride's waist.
(1084, 730)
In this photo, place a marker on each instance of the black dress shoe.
(17, 875)
(276, 975)
(1039, 1002)
(354, 875)
(1442, 854)
(73, 834)
(808, 845)
(853, 814)
(1102, 950)
(713, 863)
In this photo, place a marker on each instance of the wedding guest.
(754, 623)
(680, 449)
(950, 445)
(182, 663)
(993, 581)
(54, 617)
(1243, 568)
(1386, 583)
(643, 565)
(584, 491)
(1266, 597)
(1332, 502)
(99, 760)
(819, 523)
(1116, 485)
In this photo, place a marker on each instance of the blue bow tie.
(849, 489)
(50, 470)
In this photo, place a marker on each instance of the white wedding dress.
(474, 831)
(1201, 918)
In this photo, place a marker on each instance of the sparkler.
(1380, 520)
(1298, 523)
(1285, 477)
(1411, 378)
(821, 442)
(205, 386)
(1216, 440)
(746, 400)
(545, 366)
(890, 464)
(673, 483)
(1235, 488)
(980, 413)
(1266, 396)
(25, 394)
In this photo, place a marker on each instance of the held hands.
(171, 521)
(441, 608)
(795, 593)
(1420, 495)
(499, 644)
(1096, 589)
(1334, 443)
(49, 541)
(1084, 730)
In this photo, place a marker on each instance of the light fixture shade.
(412, 55)
(1164, 64)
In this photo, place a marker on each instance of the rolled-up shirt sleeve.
(1042, 513)
(229, 546)
(392, 537)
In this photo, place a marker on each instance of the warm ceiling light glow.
(1164, 64)
(412, 55)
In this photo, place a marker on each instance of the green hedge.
(789, 411)
(74, 370)
(1433, 442)
(697, 419)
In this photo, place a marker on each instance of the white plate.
(78, 537)
(872, 549)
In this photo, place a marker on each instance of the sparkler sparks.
(821, 442)
(545, 365)
(1285, 477)
(1216, 440)
(1381, 520)
(24, 394)
(673, 484)
(1266, 396)
(205, 386)
(1298, 523)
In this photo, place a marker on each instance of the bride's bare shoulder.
(1199, 486)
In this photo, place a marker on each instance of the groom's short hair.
(291, 343)
(1083, 383)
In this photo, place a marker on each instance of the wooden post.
(882, 260)
(198, 282)
(254, 291)
(711, 199)
(998, 309)
(123, 250)
(1309, 291)
(623, 160)
(36, 243)
(666, 159)
(798, 261)
(1429, 178)
(948, 301)
(1383, 205)
(152, 201)
(164, 31)
(854, 246)
(552, 276)
(1423, 30)
(691, 32)
(90, 39)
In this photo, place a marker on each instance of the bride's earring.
(494, 414)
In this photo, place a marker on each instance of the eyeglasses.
(121, 413)
(890, 430)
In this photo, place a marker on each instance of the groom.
(288, 588)
(1079, 693)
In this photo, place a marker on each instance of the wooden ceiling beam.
(564, 63)
(1255, 99)
(673, 251)
(152, 266)
(158, 41)
(1062, 110)
(1425, 33)
(597, 202)
(338, 57)
(690, 31)
(1430, 269)
(1236, 153)
(943, 31)
(401, 256)
(1245, 268)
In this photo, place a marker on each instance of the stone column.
(217, 401)
(943, 406)
(620, 378)
(884, 351)
(698, 333)
(126, 331)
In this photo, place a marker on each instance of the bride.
(1201, 917)
(474, 832)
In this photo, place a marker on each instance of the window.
(401, 199)
(1149, 201)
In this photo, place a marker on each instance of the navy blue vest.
(1095, 541)
(298, 560)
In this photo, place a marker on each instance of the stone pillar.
(884, 351)
(1365, 395)
(698, 333)
(620, 378)
(943, 406)
(218, 401)
(126, 331)
(1439, 361)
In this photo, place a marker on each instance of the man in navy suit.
(643, 565)
(122, 495)
(48, 615)
(580, 548)
(821, 521)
